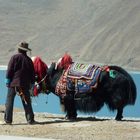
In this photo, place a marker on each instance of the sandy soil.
(56, 127)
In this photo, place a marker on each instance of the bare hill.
(95, 31)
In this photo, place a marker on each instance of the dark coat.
(20, 71)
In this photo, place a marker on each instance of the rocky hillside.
(95, 31)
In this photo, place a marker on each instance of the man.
(20, 77)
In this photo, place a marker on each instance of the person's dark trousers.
(8, 117)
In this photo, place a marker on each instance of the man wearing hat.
(19, 78)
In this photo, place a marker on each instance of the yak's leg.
(70, 107)
(119, 115)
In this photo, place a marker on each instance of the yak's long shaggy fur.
(115, 92)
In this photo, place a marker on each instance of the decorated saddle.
(79, 77)
(83, 77)
(82, 70)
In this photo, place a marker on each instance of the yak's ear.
(57, 63)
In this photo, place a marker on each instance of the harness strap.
(106, 68)
(41, 80)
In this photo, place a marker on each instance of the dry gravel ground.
(56, 127)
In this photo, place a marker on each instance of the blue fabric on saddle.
(82, 77)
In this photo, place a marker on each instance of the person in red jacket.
(20, 77)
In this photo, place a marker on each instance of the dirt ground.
(56, 127)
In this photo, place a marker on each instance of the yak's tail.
(132, 87)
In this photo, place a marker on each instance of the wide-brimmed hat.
(24, 46)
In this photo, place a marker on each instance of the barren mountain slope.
(95, 31)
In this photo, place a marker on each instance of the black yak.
(110, 85)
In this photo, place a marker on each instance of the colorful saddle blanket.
(83, 77)
(80, 78)
(81, 70)
(61, 86)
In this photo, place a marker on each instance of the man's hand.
(7, 82)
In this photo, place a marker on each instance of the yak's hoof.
(118, 118)
(70, 118)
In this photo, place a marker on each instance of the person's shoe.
(5, 123)
(8, 123)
